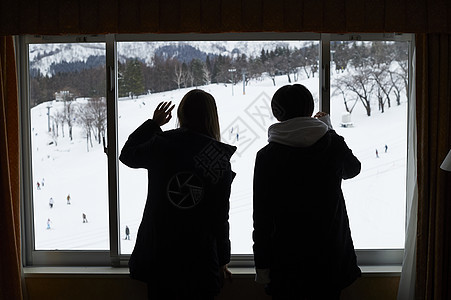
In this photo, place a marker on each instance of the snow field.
(375, 198)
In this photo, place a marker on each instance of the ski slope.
(375, 198)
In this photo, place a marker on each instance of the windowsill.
(122, 272)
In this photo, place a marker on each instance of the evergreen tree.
(341, 55)
(120, 80)
(197, 71)
(133, 78)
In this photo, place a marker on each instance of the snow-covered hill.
(43, 55)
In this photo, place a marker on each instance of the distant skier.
(51, 202)
(48, 223)
(127, 233)
(386, 148)
(68, 199)
(38, 185)
(42, 184)
(85, 220)
(377, 153)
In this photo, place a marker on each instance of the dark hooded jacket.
(301, 227)
(183, 237)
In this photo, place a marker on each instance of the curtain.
(433, 78)
(10, 255)
(406, 289)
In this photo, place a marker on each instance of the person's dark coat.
(183, 237)
(301, 227)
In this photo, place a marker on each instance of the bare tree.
(69, 116)
(340, 89)
(206, 74)
(384, 86)
(84, 119)
(96, 108)
(271, 69)
(178, 72)
(395, 79)
(53, 134)
(190, 78)
(254, 69)
(402, 57)
(312, 58)
(301, 59)
(58, 118)
(361, 85)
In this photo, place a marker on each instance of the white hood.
(299, 132)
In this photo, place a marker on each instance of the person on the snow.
(127, 233)
(303, 247)
(85, 220)
(68, 199)
(51, 202)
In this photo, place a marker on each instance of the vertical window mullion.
(111, 150)
(26, 180)
(324, 75)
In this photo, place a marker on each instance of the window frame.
(31, 257)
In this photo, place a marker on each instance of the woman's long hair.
(197, 111)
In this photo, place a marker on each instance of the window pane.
(68, 123)
(242, 76)
(369, 109)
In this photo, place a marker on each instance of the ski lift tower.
(243, 71)
(49, 106)
(232, 71)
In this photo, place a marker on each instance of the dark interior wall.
(166, 16)
(70, 287)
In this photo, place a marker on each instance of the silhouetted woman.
(182, 247)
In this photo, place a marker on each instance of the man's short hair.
(291, 101)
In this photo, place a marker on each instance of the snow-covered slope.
(375, 198)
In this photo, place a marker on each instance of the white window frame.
(31, 257)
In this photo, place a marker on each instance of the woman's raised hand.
(162, 113)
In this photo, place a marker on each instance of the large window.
(69, 168)
(368, 107)
(241, 75)
(79, 199)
